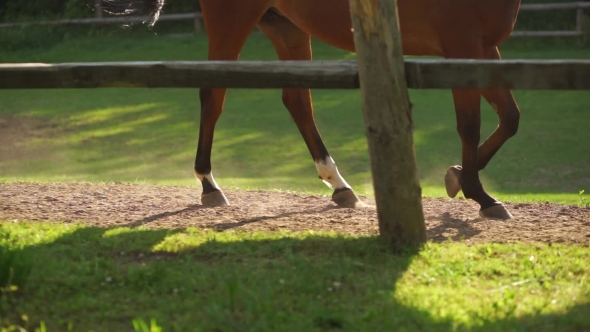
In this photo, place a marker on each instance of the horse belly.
(330, 22)
(326, 20)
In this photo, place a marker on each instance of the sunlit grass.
(191, 279)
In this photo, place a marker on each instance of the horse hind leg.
(502, 101)
(291, 43)
(227, 30)
(468, 114)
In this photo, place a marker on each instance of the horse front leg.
(227, 28)
(211, 107)
(291, 43)
(298, 102)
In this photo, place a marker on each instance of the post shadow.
(102, 278)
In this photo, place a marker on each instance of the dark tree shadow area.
(101, 279)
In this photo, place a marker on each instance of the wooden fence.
(578, 31)
(420, 74)
(196, 17)
(198, 20)
(402, 222)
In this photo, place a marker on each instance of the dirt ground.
(133, 205)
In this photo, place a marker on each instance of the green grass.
(150, 135)
(193, 280)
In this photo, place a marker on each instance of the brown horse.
(447, 28)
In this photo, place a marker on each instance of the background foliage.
(19, 10)
(39, 37)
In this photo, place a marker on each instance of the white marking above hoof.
(328, 172)
(209, 178)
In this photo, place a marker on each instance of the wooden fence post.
(388, 121)
(98, 8)
(198, 23)
(580, 20)
(580, 26)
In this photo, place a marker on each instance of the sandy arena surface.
(133, 205)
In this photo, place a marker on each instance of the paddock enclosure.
(134, 205)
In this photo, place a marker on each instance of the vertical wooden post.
(580, 26)
(580, 19)
(388, 121)
(98, 8)
(198, 23)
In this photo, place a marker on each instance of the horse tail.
(151, 8)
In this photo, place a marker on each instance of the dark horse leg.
(474, 158)
(228, 28)
(291, 43)
(503, 103)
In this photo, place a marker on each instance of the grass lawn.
(150, 135)
(192, 280)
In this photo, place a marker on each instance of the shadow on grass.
(574, 320)
(102, 279)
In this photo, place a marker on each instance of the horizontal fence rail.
(552, 6)
(106, 20)
(578, 31)
(420, 74)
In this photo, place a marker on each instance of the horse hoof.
(453, 181)
(496, 212)
(214, 198)
(346, 198)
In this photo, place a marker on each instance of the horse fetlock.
(328, 172)
(512, 122)
(208, 182)
(473, 191)
(212, 194)
(470, 193)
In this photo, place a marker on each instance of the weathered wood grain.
(420, 74)
(511, 74)
(231, 74)
(388, 122)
